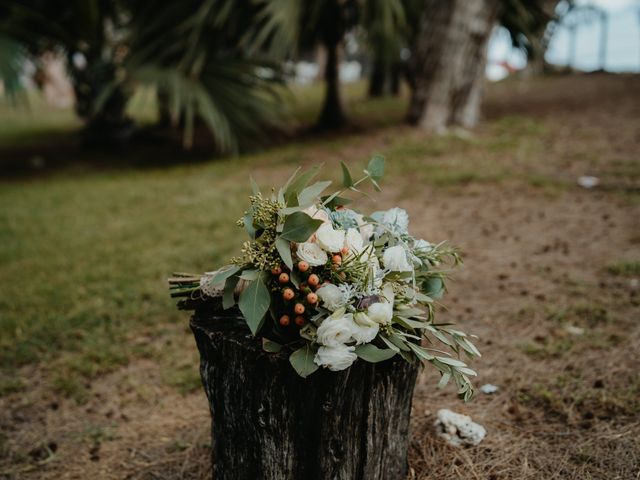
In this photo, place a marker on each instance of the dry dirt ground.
(550, 286)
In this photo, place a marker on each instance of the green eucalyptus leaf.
(408, 323)
(454, 362)
(228, 296)
(270, 346)
(302, 361)
(433, 287)
(247, 221)
(254, 186)
(222, 275)
(284, 249)
(249, 275)
(398, 341)
(468, 347)
(444, 380)
(347, 180)
(420, 352)
(294, 276)
(254, 302)
(299, 184)
(290, 210)
(392, 346)
(290, 180)
(334, 200)
(299, 226)
(375, 169)
(373, 354)
(309, 195)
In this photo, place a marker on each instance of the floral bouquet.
(331, 285)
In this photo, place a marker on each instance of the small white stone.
(489, 388)
(573, 330)
(458, 430)
(587, 181)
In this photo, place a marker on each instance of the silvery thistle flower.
(344, 218)
(396, 220)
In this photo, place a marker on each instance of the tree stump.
(268, 423)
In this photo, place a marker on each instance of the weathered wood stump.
(269, 423)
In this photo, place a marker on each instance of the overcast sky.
(623, 42)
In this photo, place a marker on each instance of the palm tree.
(387, 33)
(193, 52)
(531, 25)
(80, 30)
(288, 26)
(11, 60)
(196, 55)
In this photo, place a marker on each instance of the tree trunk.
(270, 424)
(164, 108)
(540, 39)
(396, 77)
(377, 79)
(332, 115)
(100, 103)
(449, 60)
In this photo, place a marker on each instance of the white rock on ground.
(489, 388)
(458, 430)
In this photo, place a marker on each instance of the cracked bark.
(448, 63)
(269, 423)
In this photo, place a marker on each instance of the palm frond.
(12, 60)
(195, 57)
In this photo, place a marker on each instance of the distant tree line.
(222, 63)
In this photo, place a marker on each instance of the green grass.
(32, 122)
(627, 268)
(84, 254)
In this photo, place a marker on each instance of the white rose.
(336, 358)
(353, 241)
(381, 312)
(329, 239)
(395, 259)
(317, 213)
(331, 296)
(312, 254)
(363, 330)
(335, 330)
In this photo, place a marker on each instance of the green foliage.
(193, 53)
(373, 354)
(630, 268)
(299, 226)
(302, 361)
(526, 22)
(271, 346)
(254, 303)
(10, 384)
(71, 387)
(12, 58)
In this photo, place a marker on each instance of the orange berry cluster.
(306, 296)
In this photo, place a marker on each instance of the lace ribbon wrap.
(216, 290)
